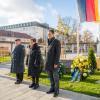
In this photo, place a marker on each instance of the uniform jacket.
(17, 65)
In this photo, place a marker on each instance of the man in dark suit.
(17, 65)
(52, 62)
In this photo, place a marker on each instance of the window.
(19, 25)
(31, 23)
(16, 26)
(22, 25)
(12, 26)
(6, 27)
(28, 24)
(25, 24)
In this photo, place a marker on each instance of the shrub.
(92, 60)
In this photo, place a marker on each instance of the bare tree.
(87, 37)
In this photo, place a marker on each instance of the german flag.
(88, 10)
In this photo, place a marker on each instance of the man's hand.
(55, 66)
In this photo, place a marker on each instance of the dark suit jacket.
(53, 54)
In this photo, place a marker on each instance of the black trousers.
(19, 77)
(35, 80)
(54, 80)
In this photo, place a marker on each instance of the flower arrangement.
(81, 62)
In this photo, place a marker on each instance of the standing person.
(17, 65)
(52, 62)
(34, 64)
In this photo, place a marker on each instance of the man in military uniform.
(17, 65)
(52, 62)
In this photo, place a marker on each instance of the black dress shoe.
(17, 82)
(36, 86)
(32, 85)
(50, 91)
(55, 94)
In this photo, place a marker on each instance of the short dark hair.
(18, 40)
(52, 31)
(33, 39)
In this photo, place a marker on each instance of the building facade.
(39, 31)
(34, 29)
(7, 40)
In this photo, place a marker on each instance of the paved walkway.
(10, 91)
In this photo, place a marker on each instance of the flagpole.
(99, 31)
(78, 48)
(78, 34)
(98, 46)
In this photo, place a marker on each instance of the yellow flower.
(81, 62)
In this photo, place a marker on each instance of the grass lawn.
(88, 86)
(5, 59)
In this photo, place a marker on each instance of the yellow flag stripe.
(96, 10)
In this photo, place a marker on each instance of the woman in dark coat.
(34, 64)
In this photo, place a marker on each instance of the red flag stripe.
(90, 10)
